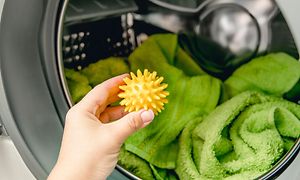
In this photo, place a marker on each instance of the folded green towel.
(240, 139)
(192, 94)
(274, 74)
(78, 84)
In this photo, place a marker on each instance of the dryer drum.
(45, 38)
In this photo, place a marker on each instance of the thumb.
(127, 125)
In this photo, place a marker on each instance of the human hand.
(92, 138)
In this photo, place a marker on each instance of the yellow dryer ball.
(144, 91)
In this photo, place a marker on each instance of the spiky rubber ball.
(144, 91)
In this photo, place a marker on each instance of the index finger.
(99, 95)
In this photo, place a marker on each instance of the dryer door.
(33, 105)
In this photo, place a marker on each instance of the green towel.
(142, 168)
(78, 84)
(192, 94)
(135, 165)
(163, 174)
(274, 74)
(241, 139)
(81, 82)
(105, 69)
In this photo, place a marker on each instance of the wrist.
(71, 170)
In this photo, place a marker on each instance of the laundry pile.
(235, 129)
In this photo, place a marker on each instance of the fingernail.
(147, 116)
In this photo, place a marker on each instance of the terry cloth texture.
(240, 139)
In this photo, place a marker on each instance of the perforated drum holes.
(74, 47)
